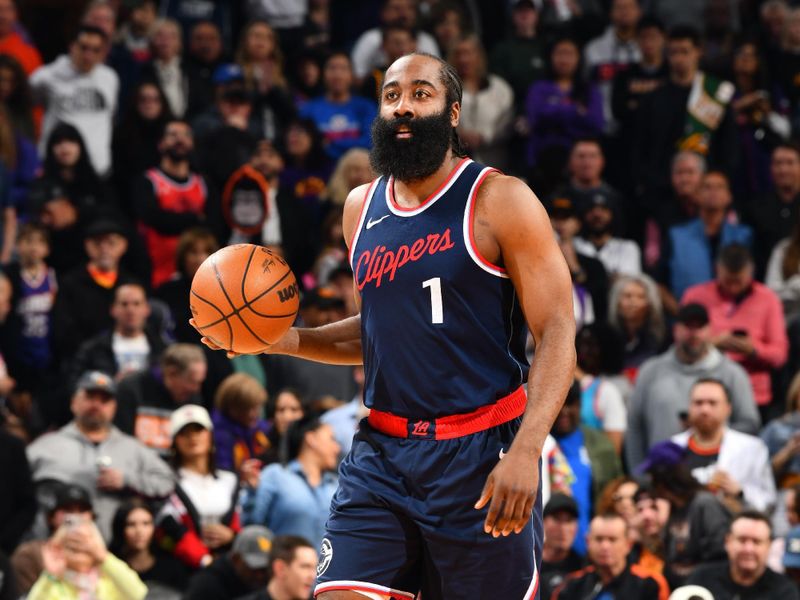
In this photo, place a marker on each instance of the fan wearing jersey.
(452, 263)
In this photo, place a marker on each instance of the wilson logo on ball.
(288, 293)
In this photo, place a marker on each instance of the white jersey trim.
(534, 583)
(358, 586)
(361, 218)
(467, 227)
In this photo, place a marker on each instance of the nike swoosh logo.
(372, 223)
(502, 453)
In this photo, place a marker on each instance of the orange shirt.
(26, 54)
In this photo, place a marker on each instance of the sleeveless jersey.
(172, 196)
(34, 305)
(442, 329)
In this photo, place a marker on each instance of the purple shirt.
(555, 119)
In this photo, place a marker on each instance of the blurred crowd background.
(139, 136)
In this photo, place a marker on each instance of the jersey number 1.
(437, 313)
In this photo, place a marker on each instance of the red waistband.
(446, 428)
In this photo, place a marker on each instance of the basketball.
(243, 298)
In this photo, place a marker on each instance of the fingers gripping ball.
(244, 297)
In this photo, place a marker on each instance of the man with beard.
(619, 256)
(450, 260)
(660, 398)
(745, 574)
(170, 199)
(94, 454)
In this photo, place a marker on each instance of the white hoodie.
(85, 100)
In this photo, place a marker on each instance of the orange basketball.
(244, 297)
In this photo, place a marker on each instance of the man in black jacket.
(745, 574)
(243, 570)
(609, 574)
(129, 346)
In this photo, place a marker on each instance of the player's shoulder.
(499, 187)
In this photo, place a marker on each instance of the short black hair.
(573, 394)
(753, 515)
(284, 547)
(735, 258)
(32, 228)
(787, 145)
(387, 28)
(714, 381)
(91, 30)
(296, 433)
(650, 22)
(685, 32)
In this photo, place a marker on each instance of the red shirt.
(760, 314)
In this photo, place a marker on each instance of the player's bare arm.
(511, 228)
(337, 343)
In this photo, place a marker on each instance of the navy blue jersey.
(442, 329)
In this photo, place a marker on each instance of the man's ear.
(455, 113)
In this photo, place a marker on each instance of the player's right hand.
(286, 345)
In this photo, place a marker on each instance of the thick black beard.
(413, 158)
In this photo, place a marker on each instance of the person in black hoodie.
(134, 146)
(68, 196)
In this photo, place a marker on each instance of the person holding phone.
(77, 564)
(746, 319)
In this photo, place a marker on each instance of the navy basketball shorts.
(402, 522)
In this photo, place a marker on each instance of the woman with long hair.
(636, 313)
(761, 111)
(783, 272)
(287, 408)
(352, 170)
(133, 541)
(294, 498)
(134, 146)
(260, 57)
(16, 95)
(20, 162)
(487, 107)
(307, 167)
(200, 519)
(560, 108)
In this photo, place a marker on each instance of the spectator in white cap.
(201, 518)
(91, 452)
(244, 569)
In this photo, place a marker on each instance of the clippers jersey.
(442, 329)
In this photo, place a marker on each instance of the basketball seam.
(215, 307)
(236, 311)
(248, 303)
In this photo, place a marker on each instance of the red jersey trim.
(437, 193)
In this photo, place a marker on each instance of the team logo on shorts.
(325, 556)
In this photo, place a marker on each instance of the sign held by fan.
(245, 202)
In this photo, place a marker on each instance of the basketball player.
(451, 260)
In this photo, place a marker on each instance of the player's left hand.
(512, 487)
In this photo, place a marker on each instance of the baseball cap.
(186, 415)
(97, 381)
(662, 454)
(691, 592)
(323, 297)
(72, 495)
(561, 206)
(561, 502)
(791, 556)
(104, 226)
(600, 199)
(692, 314)
(227, 73)
(253, 545)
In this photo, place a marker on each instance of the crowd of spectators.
(137, 137)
